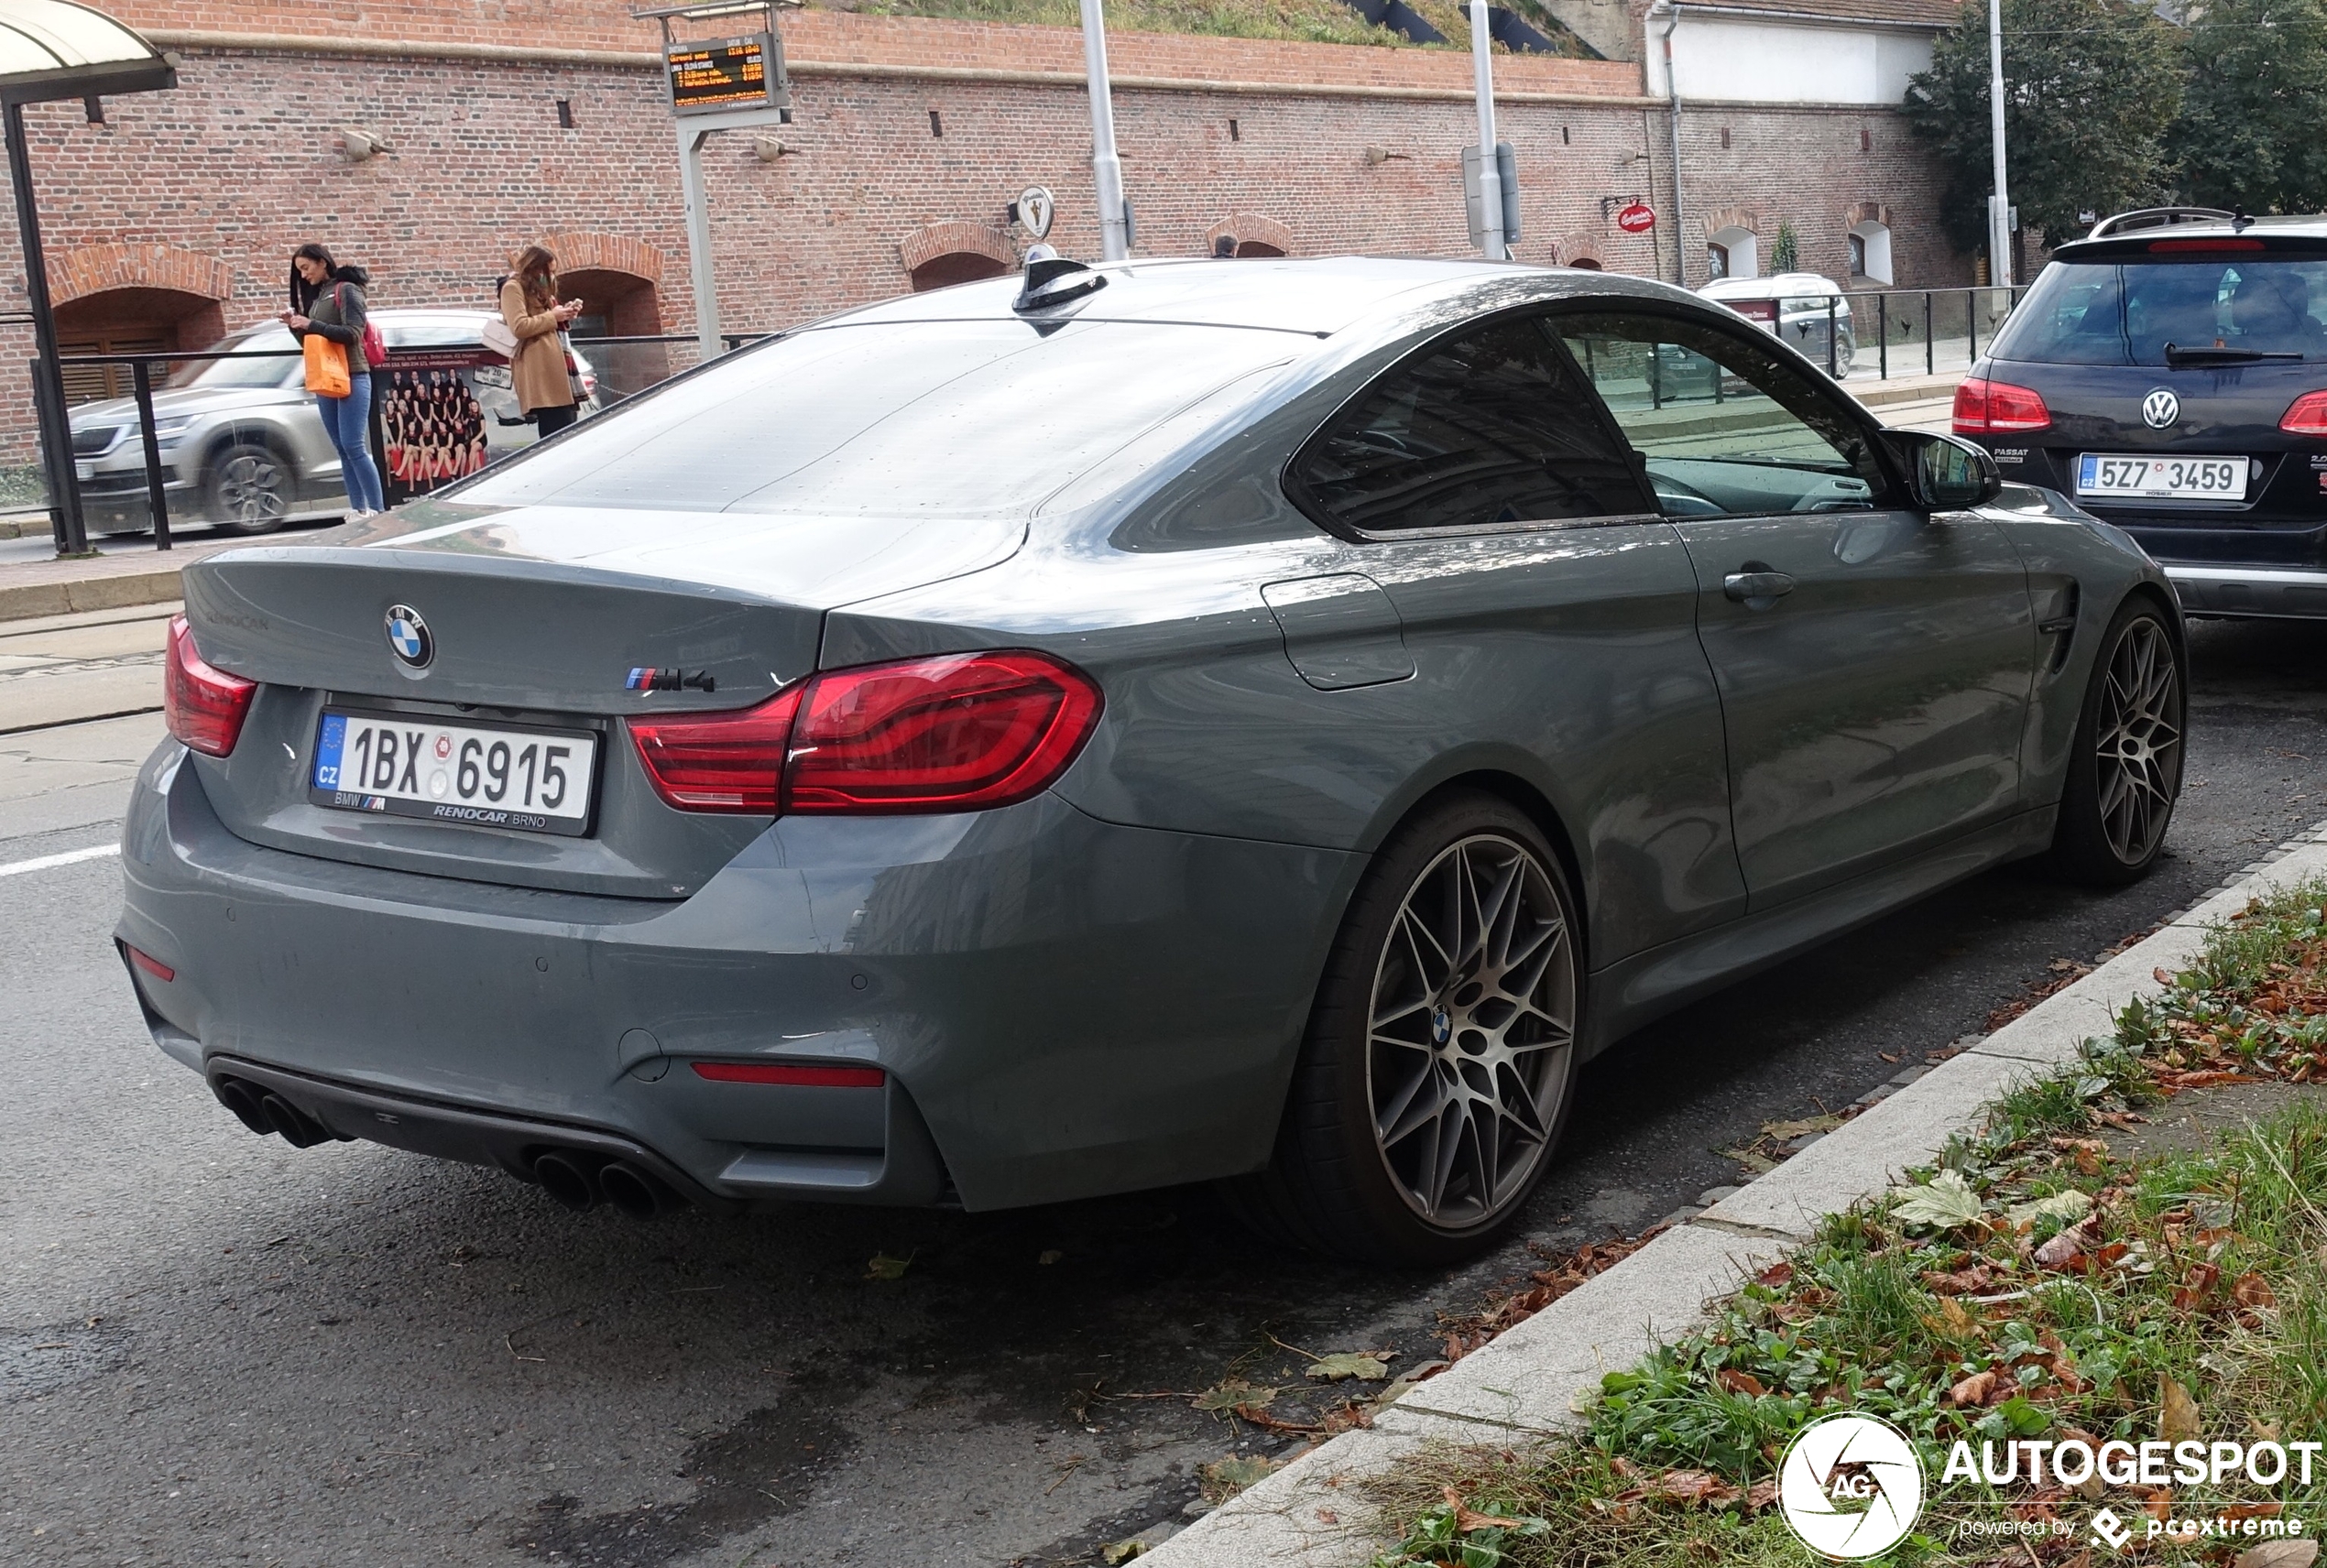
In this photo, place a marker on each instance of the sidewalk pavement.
(51, 587)
(1314, 1512)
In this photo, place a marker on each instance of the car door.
(1544, 616)
(1873, 662)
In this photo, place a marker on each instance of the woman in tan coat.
(530, 306)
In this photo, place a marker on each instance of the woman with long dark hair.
(327, 301)
(530, 307)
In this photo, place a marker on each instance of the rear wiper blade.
(2177, 355)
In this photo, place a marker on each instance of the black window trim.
(1896, 496)
(1299, 494)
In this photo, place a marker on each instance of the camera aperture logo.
(1851, 1487)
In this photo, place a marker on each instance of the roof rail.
(2157, 218)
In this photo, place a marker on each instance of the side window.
(1725, 428)
(1493, 427)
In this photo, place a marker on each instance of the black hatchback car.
(2169, 372)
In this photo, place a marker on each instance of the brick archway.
(616, 279)
(1867, 212)
(1580, 249)
(95, 269)
(579, 251)
(957, 251)
(1256, 234)
(1744, 218)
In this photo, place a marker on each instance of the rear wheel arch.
(1537, 807)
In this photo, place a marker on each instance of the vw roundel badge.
(408, 637)
(2160, 408)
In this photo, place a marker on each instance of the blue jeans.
(348, 422)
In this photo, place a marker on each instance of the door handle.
(1762, 583)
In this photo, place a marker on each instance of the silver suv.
(242, 445)
(1797, 307)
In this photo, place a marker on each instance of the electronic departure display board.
(728, 73)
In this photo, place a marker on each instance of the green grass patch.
(2031, 1285)
(1306, 21)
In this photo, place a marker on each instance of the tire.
(2125, 766)
(1384, 1154)
(248, 488)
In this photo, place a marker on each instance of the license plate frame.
(2168, 477)
(447, 808)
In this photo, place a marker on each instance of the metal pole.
(1971, 328)
(1833, 303)
(65, 519)
(1107, 169)
(1482, 74)
(1930, 352)
(699, 268)
(2000, 218)
(142, 382)
(1883, 325)
(1672, 92)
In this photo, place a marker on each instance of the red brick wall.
(209, 187)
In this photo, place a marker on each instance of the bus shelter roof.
(53, 49)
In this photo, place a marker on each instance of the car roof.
(1775, 283)
(2293, 236)
(1315, 295)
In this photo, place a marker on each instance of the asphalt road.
(216, 1349)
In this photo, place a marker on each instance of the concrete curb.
(1526, 1382)
(72, 596)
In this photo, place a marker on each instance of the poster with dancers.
(438, 411)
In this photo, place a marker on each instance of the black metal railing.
(173, 485)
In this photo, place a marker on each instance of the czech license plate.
(2162, 478)
(495, 776)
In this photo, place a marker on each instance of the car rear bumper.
(1061, 1007)
(2262, 592)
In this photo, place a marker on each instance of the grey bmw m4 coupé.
(1264, 720)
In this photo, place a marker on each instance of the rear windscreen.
(919, 418)
(2106, 313)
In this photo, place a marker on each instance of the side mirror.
(1948, 473)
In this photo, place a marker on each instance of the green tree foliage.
(2252, 108)
(2090, 87)
(1786, 251)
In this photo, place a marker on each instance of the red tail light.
(149, 964)
(202, 704)
(1993, 408)
(959, 732)
(793, 1074)
(2306, 416)
(953, 733)
(719, 762)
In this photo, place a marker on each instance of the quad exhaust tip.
(265, 1112)
(579, 1182)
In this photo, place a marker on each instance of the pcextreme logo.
(1851, 1487)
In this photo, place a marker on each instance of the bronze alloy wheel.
(2137, 740)
(1472, 1022)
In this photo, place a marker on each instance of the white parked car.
(1795, 306)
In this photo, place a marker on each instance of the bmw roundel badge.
(408, 637)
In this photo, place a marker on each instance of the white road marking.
(42, 863)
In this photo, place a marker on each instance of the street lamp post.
(2000, 206)
(1483, 73)
(1107, 169)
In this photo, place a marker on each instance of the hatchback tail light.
(1990, 408)
(2306, 416)
(202, 704)
(958, 733)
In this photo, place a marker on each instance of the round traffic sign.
(1637, 219)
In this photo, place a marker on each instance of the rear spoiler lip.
(2136, 247)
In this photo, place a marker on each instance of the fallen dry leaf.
(1230, 1393)
(1776, 1274)
(1224, 1478)
(2278, 1554)
(2177, 1411)
(884, 1266)
(2252, 1290)
(1366, 1367)
(1973, 1390)
(1738, 1382)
